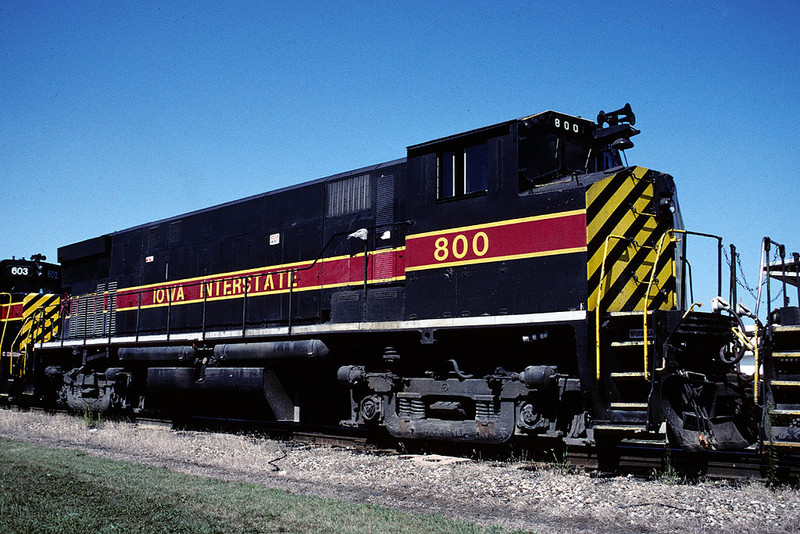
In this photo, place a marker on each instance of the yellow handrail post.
(600, 296)
(647, 299)
(5, 325)
(757, 363)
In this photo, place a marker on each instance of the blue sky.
(119, 113)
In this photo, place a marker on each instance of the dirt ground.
(513, 495)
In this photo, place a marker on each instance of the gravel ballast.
(507, 494)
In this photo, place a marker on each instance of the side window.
(462, 171)
(477, 168)
(610, 159)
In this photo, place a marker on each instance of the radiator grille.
(348, 195)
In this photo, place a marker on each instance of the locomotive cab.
(553, 146)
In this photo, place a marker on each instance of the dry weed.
(505, 494)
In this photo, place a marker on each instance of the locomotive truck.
(518, 281)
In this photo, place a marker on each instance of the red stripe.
(382, 265)
(497, 242)
(11, 311)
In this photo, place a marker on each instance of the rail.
(765, 252)
(669, 234)
(7, 317)
(685, 263)
(631, 242)
(87, 329)
(31, 337)
(659, 250)
(765, 267)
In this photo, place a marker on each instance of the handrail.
(719, 255)
(292, 272)
(756, 363)
(647, 299)
(31, 334)
(659, 250)
(8, 316)
(765, 251)
(766, 244)
(630, 241)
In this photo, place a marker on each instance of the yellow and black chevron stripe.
(40, 315)
(620, 211)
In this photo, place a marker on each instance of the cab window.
(462, 171)
(547, 157)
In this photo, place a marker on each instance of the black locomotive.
(511, 282)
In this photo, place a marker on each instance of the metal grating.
(112, 309)
(385, 201)
(95, 314)
(348, 195)
(97, 311)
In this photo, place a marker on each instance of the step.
(786, 329)
(787, 378)
(628, 406)
(628, 314)
(783, 433)
(782, 443)
(787, 354)
(628, 417)
(630, 374)
(785, 383)
(795, 413)
(619, 427)
(637, 343)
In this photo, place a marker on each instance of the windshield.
(546, 157)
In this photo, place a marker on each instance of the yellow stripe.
(498, 223)
(615, 270)
(622, 227)
(665, 274)
(622, 271)
(642, 271)
(595, 191)
(358, 283)
(40, 323)
(631, 284)
(498, 258)
(255, 270)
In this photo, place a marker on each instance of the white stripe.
(338, 328)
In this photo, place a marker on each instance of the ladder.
(626, 381)
(781, 387)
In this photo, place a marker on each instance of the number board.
(568, 124)
(20, 270)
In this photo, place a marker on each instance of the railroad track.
(624, 458)
(653, 460)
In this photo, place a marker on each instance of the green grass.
(53, 490)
